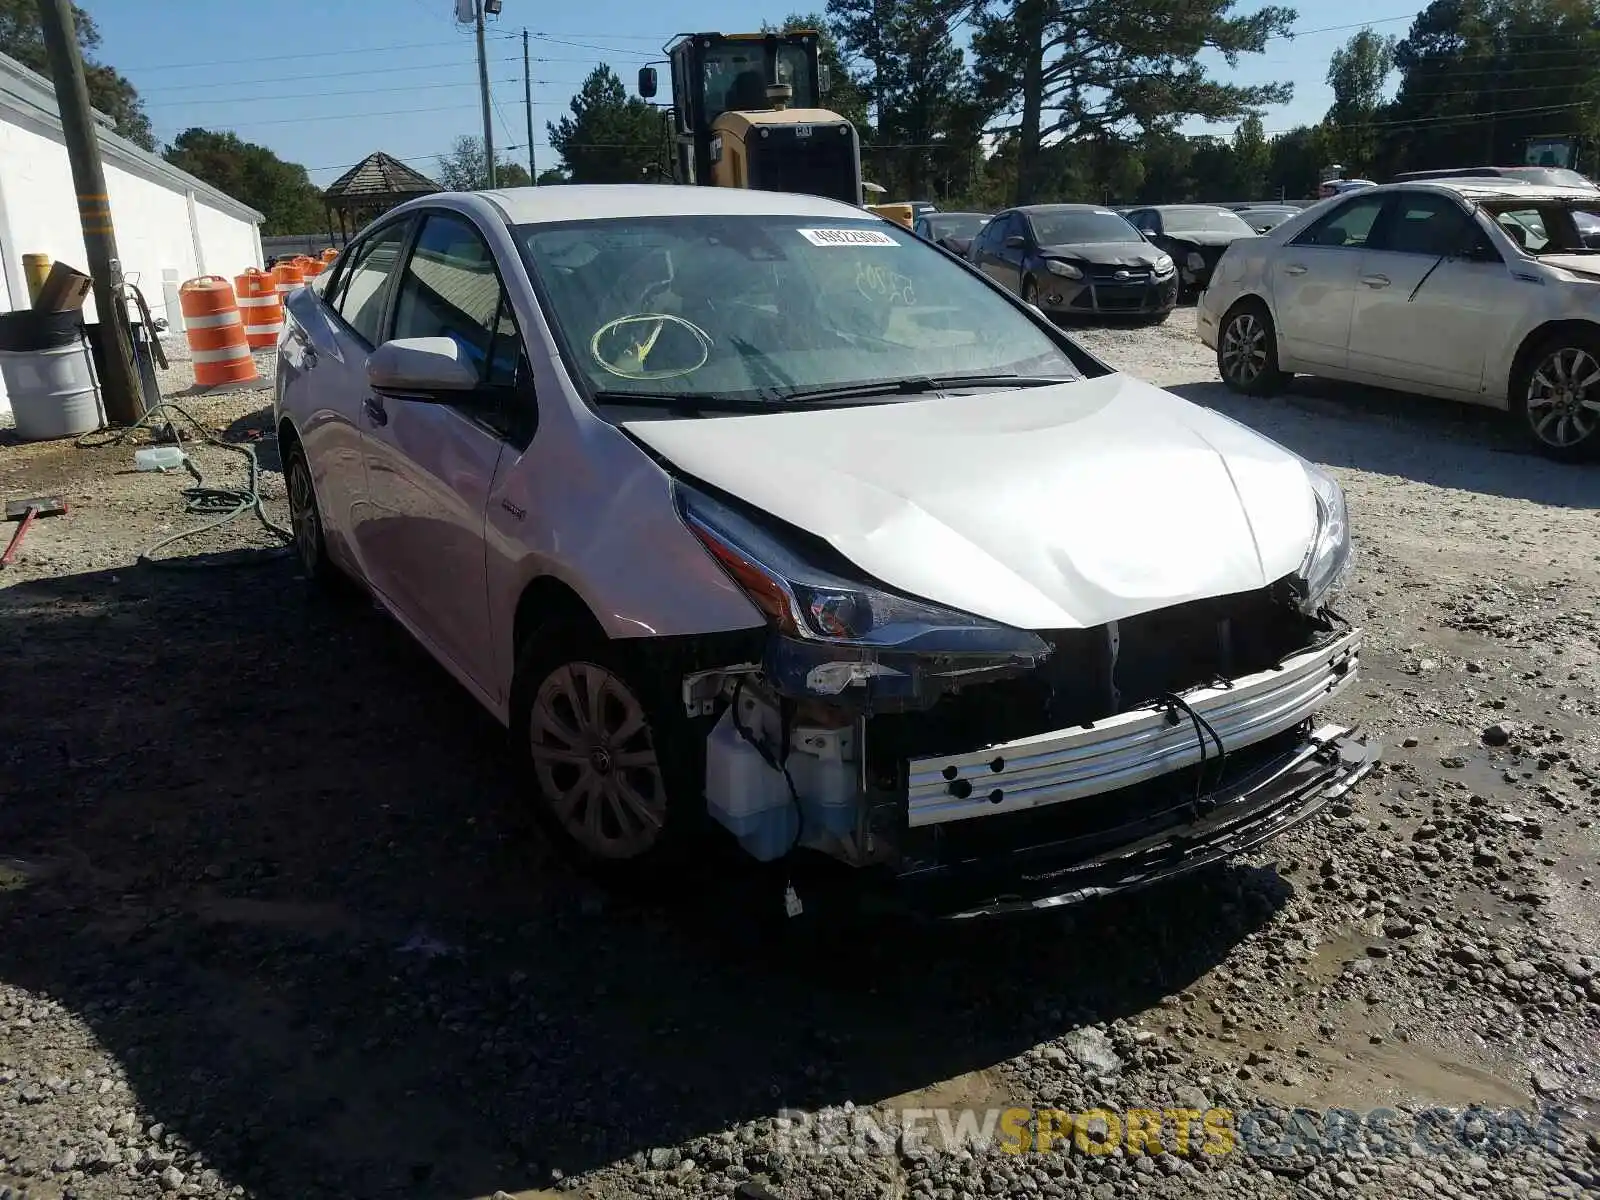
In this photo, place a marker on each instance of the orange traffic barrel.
(287, 276)
(329, 255)
(260, 307)
(215, 333)
(313, 267)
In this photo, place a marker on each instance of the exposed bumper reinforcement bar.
(1276, 797)
(1130, 747)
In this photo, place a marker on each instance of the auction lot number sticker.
(847, 237)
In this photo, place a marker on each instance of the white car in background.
(1482, 291)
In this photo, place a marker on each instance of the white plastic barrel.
(54, 393)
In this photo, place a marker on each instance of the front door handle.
(375, 411)
(1375, 281)
(1294, 269)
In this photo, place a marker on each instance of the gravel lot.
(271, 923)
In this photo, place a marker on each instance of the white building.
(166, 219)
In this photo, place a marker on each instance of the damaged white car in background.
(762, 522)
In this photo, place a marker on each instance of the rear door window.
(1425, 223)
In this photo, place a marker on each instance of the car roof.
(1073, 206)
(600, 201)
(1472, 172)
(1489, 187)
(955, 214)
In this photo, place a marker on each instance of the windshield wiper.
(917, 385)
(688, 404)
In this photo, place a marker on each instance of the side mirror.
(420, 369)
(824, 80)
(647, 82)
(1016, 242)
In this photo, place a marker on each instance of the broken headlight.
(1327, 564)
(814, 604)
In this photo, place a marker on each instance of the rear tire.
(1556, 396)
(1247, 350)
(305, 519)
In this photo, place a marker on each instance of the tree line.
(1086, 99)
(984, 103)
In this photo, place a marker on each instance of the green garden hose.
(220, 504)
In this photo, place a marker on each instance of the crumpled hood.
(1042, 508)
(1108, 254)
(1585, 266)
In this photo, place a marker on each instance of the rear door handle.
(1375, 281)
(375, 411)
(1295, 269)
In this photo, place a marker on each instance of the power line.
(413, 87)
(399, 112)
(1456, 118)
(615, 37)
(508, 61)
(591, 46)
(260, 58)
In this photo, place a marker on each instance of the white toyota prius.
(770, 530)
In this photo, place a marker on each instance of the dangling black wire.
(1203, 804)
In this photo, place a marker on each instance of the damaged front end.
(973, 768)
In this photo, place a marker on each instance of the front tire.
(1030, 292)
(612, 767)
(305, 520)
(1247, 350)
(1556, 395)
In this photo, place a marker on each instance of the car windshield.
(1081, 226)
(956, 224)
(763, 308)
(1202, 220)
(1549, 226)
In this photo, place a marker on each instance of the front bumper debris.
(1139, 294)
(1128, 748)
(1274, 798)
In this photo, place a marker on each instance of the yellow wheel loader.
(747, 113)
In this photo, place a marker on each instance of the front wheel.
(611, 763)
(1247, 350)
(1557, 395)
(1030, 292)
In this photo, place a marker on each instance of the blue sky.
(325, 82)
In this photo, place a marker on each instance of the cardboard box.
(63, 290)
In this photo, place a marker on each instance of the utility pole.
(483, 88)
(123, 397)
(527, 103)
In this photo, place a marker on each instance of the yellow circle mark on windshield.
(624, 345)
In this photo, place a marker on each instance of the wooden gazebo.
(373, 186)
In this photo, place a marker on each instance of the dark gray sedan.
(1077, 260)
